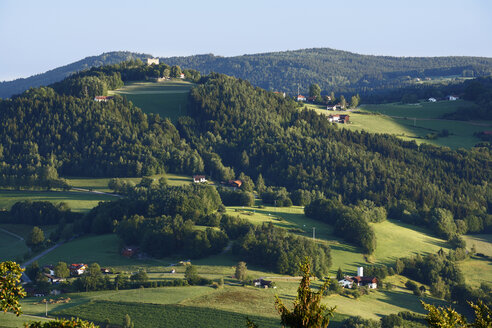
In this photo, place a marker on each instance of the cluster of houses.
(450, 98)
(103, 98)
(231, 183)
(359, 280)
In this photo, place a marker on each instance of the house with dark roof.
(263, 283)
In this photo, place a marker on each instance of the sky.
(37, 36)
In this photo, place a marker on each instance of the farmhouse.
(359, 280)
(182, 76)
(151, 61)
(452, 98)
(199, 178)
(53, 279)
(432, 99)
(335, 107)
(77, 269)
(263, 283)
(103, 98)
(339, 118)
(301, 98)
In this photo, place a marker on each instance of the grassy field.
(77, 201)
(168, 98)
(9, 320)
(101, 184)
(394, 238)
(414, 122)
(483, 243)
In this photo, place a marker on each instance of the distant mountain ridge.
(9, 88)
(334, 70)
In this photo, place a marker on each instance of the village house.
(53, 279)
(263, 283)
(103, 98)
(338, 118)
(432, 99)
(50, 269)
(301, 98)
(335, 107)
(77, 269)
(151, 61)
(359, 280)
(199, 178)
(182, 76)
(452, 98)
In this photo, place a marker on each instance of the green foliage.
(276, 250)
(127, 322)
(61, 270)
(440, 317)
(140, 276)
(10, 288)
(241, 271)
(308, 310)
(35, 238)
(62, 323)
(333, 70)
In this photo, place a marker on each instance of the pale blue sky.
(40, 35)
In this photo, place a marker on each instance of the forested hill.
(258, 132)
(7, 89)
(333, 70)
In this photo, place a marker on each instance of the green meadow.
(101, 184)
(414, 122)
(78, 201)
(168, 98)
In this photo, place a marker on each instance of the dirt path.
(12, 234)
(96, 192)
(440, 119)
(37, 257)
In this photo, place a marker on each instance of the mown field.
(394, 238)
(78, 201)
(414, 122)
(101, 184)
(168, 98)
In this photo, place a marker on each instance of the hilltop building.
(152, 61)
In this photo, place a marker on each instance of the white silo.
(360, 271)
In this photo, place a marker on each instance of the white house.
(301, 98)
(432, 99)
(199, 178)
(182, 76)
(346, 282)
(452, 98)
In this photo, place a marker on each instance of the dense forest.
(334, 70)
(60, 129)
(257, 132)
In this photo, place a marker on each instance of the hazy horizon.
(47, 35)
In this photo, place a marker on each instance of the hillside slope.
(9, 88)
(333, 70)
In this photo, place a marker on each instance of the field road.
(96, 192)
(440, 119)
(37, 257)
(12, 234)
